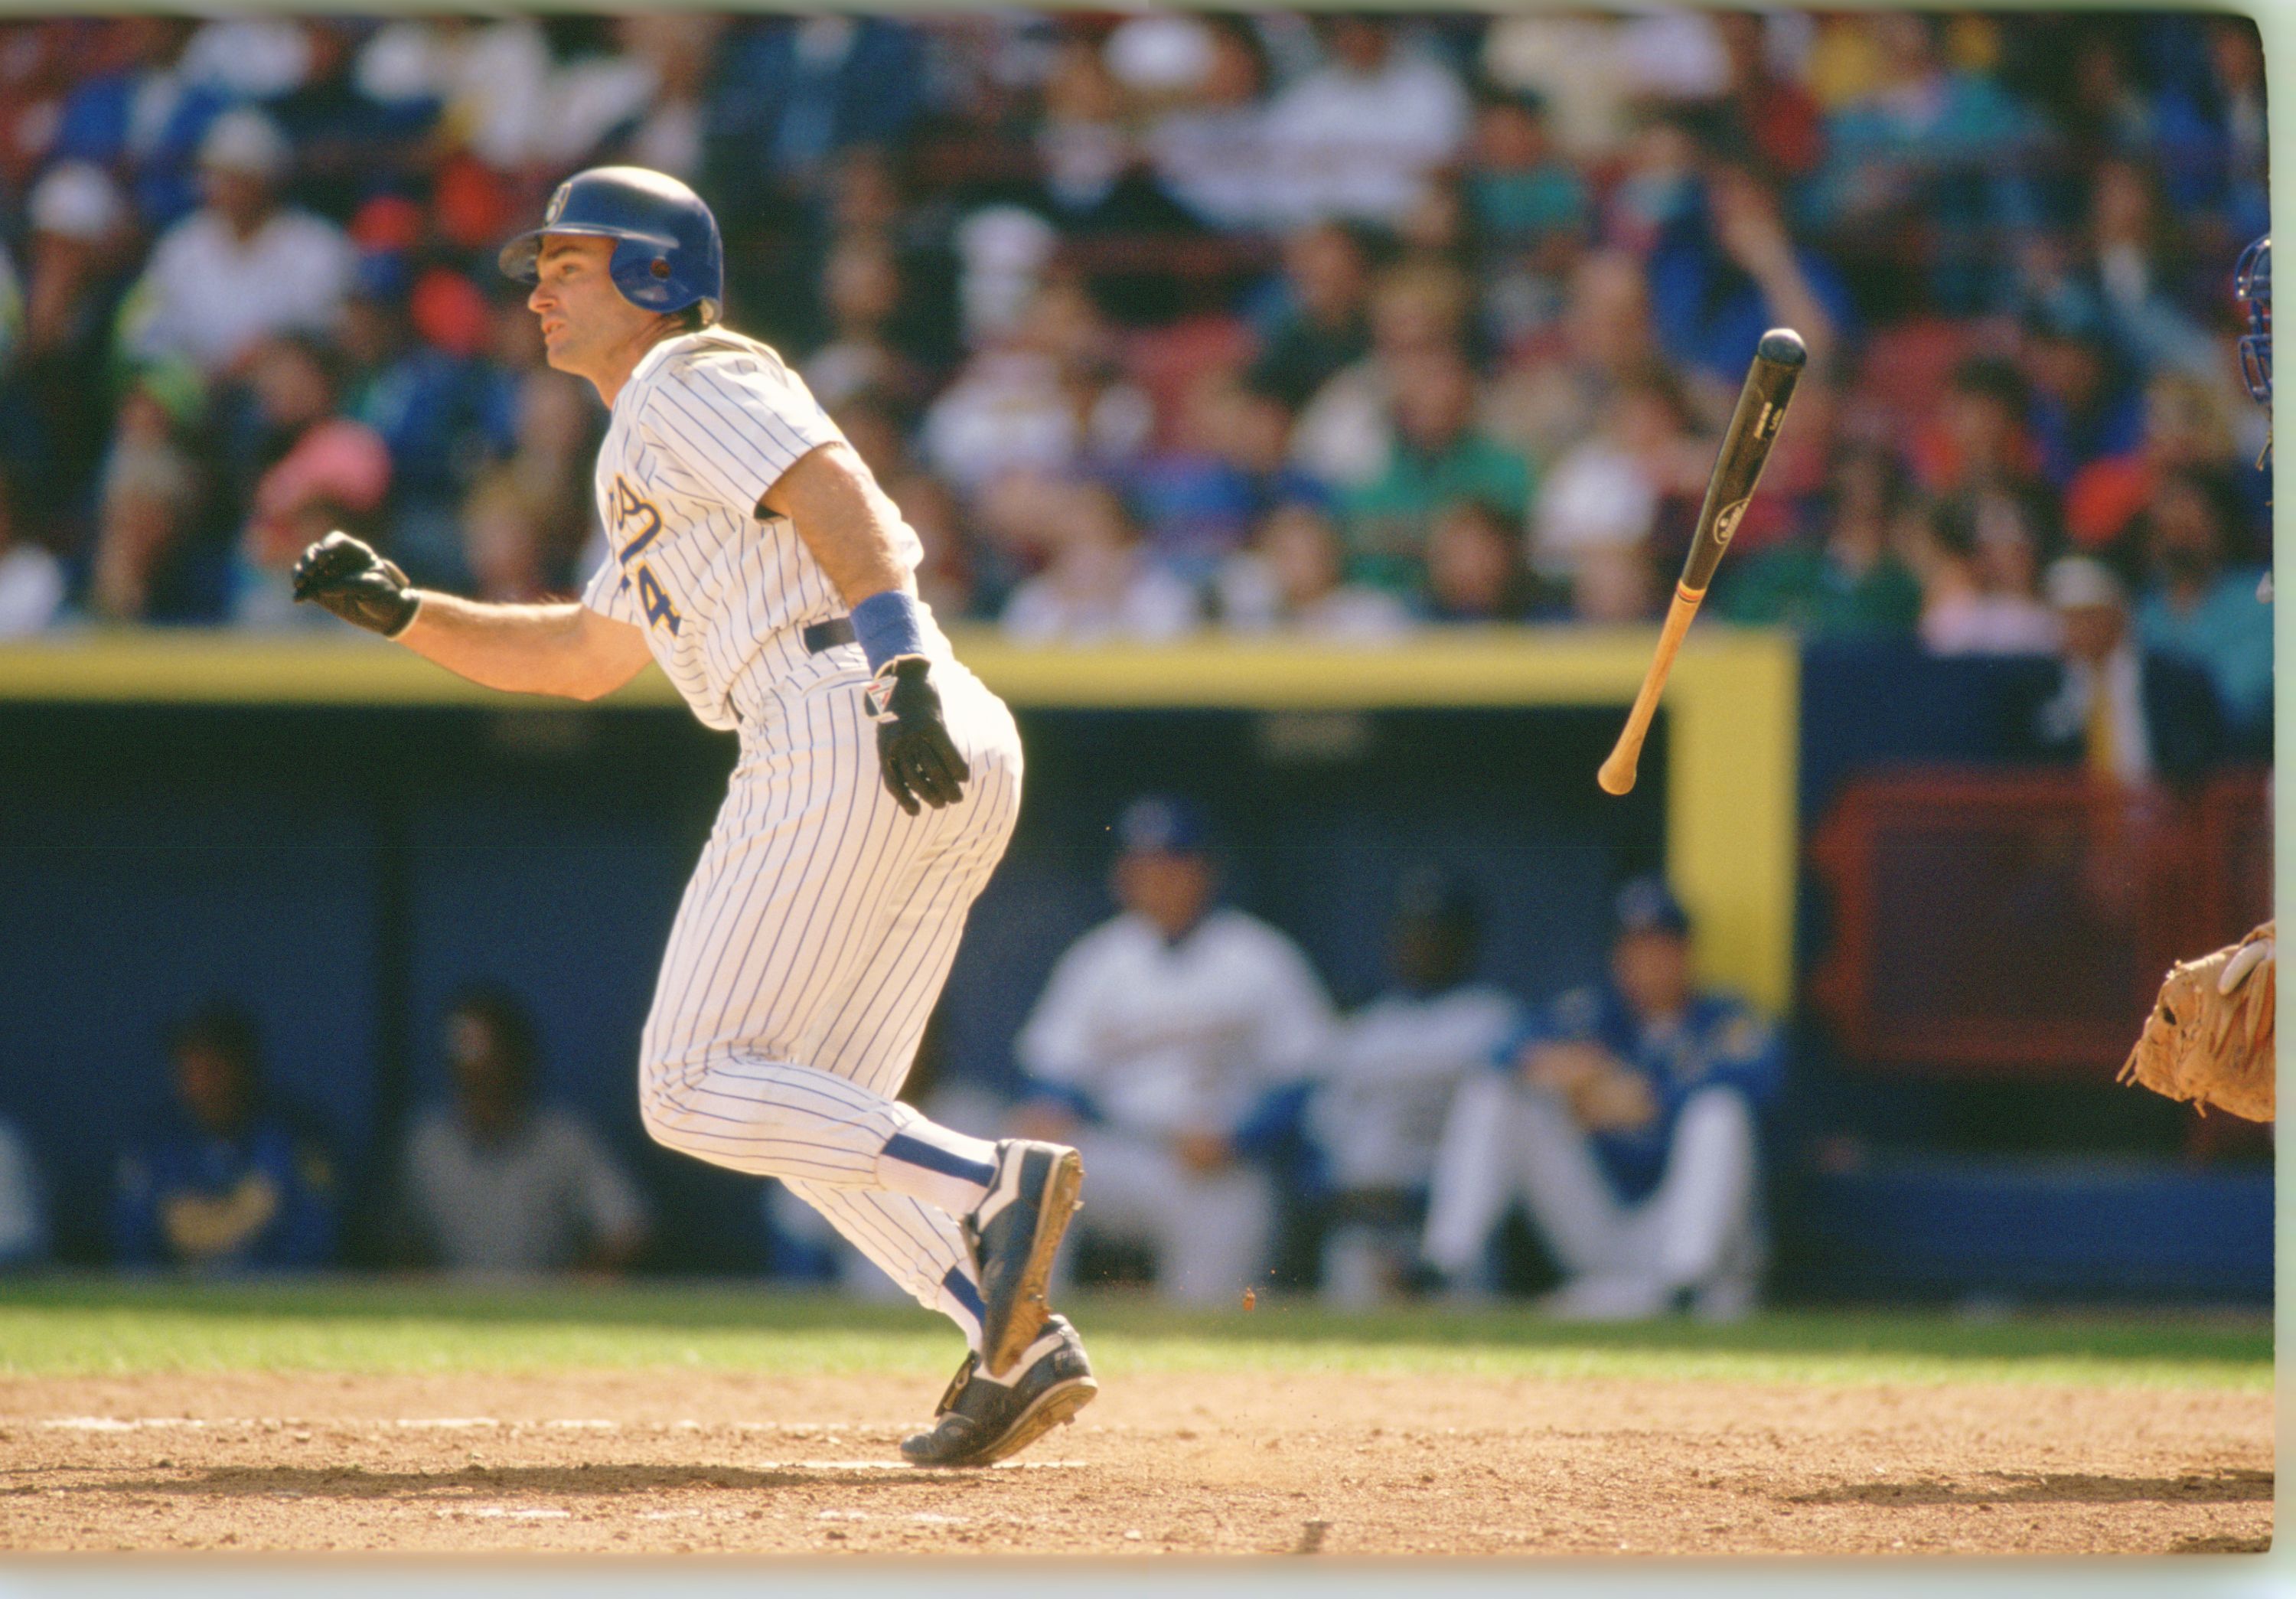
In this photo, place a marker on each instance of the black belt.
(827, 636)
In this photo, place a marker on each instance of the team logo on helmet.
(557, 205)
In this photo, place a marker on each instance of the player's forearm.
(521, 649)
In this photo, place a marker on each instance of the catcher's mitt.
(2209, 1035)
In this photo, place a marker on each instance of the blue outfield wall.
(2083, 1230)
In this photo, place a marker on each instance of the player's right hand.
(919, 759)
(349, 578)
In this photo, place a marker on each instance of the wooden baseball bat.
(1779, 361)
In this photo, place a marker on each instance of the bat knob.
(1782, 346)
(1617, 774)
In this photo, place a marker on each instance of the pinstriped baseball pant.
(808, 950)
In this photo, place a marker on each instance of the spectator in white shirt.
(31, 580)
(1358, 136)
(242, 267)
(1378, 1108)
(1100, 586)
(1979, 579)
(1209, 151)
(1293, 575)
(1158, 1036)
(497, 1183)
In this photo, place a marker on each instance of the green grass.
(66, 1326)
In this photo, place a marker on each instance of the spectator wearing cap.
(497, 1182)
(242, 267)
(231, 1177)
(1625, 1117)
(1384, 1087)
(2128, 714)
(1160, 1036)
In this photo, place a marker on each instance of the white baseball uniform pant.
(1699, 1230)
(808, 952)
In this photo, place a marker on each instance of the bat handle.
(1617, 773)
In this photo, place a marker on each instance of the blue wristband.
(889, 626)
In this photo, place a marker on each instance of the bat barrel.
(1783, 347)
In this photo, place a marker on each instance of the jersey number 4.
(630, 510)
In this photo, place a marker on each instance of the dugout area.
(343, 835)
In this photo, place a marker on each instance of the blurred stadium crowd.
(1154, 324)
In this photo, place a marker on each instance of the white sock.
(948, 1169)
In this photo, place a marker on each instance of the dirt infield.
(659, 1461)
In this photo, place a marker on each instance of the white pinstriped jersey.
(707, 424)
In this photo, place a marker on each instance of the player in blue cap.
(1161, 1034)
(1625, 1117)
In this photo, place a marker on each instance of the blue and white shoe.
(979, 1422)
(1014, 1234)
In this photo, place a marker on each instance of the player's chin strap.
(889, 629)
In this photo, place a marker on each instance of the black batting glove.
(913, 749)
(349, 578)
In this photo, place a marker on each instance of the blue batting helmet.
(2251, 285)
(667, 254)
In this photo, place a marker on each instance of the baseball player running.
(752, 554)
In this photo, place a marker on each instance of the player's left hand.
(920, 761)
(1614, 1102)
(348, 578)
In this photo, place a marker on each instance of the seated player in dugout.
(1160, 1039)
(1625, 1117)
(229, 1178)
(1385, 1088)
(499, 1181)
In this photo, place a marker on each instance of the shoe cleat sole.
(1056, 1407)
(1060, 1202)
